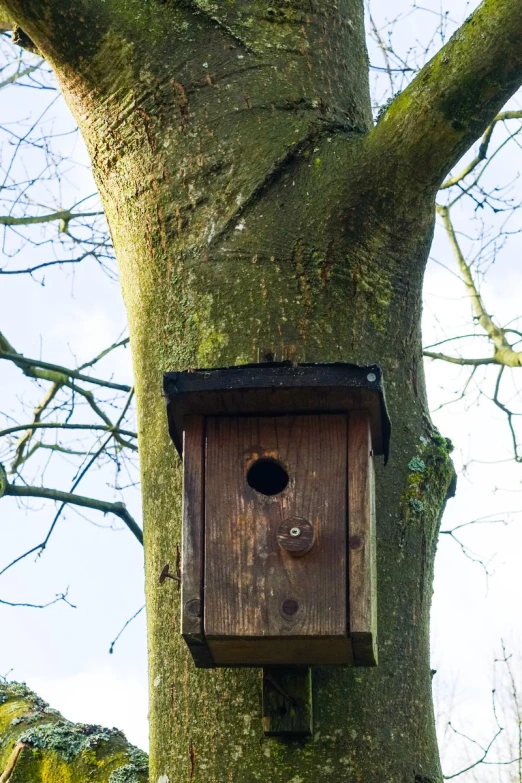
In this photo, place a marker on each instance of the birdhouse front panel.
(275, 551)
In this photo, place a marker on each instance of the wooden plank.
(274, 651)
(361, 541)
(192, 550)
(287, 701)
(254, 589)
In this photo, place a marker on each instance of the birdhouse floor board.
(253, 586)
(273, 651)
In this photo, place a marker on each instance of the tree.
(257, 213)
(39, 745)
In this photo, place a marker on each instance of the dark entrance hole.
(267, 476)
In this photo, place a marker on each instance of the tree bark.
(39, 746)
(256, 214)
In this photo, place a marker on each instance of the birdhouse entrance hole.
(267, 476)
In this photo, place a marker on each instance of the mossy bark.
(255, 213)
(37, 745)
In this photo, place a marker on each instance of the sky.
(62, 652)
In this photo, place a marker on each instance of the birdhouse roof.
(275, 389)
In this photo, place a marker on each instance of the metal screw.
(295, 532)
(371, 377)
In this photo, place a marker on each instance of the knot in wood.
(296, 536)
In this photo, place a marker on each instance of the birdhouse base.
(273, 651)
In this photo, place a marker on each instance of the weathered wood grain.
(361, 541)
(254, 589)
(192, 550)
(287, 701)
(281, 651)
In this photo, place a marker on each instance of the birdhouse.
(278, 551)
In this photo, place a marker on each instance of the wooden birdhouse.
(278, 553)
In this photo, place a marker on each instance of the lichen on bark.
(37, 745)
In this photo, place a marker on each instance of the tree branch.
(11, 763)
(457, 360)
(64, 215)
(504, 355)
(60, 31)
(17, 75)
(57, 425)
(457, 95)
(119, 509)
(40, 739)
(127, 623)
(485, 751)
(483, 149)
(35, 368)
(59, 597)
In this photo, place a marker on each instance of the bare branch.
(103, 416)
(59, 597)
(384, 49)
(65, 426)
(129, 621)
(17, 75)
(11, 762)
(504, 354)
(36, 268)
(456, 360)
(466, 551)
(485, 749)
(509, 414)
(35, 368)
(515, 697)
(483, 149)
(64, 215)
(119, 509)
(480, 760)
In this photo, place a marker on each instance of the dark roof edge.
(194, 378)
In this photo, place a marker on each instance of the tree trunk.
(255, 215)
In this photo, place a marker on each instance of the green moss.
(58, 751)
(210, 341)
(417, 505)
(430, 471)
(134, 771)
(385, 106)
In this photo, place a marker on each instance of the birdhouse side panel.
(192, 550)
(362, 540)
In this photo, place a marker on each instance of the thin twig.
(129, 621)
